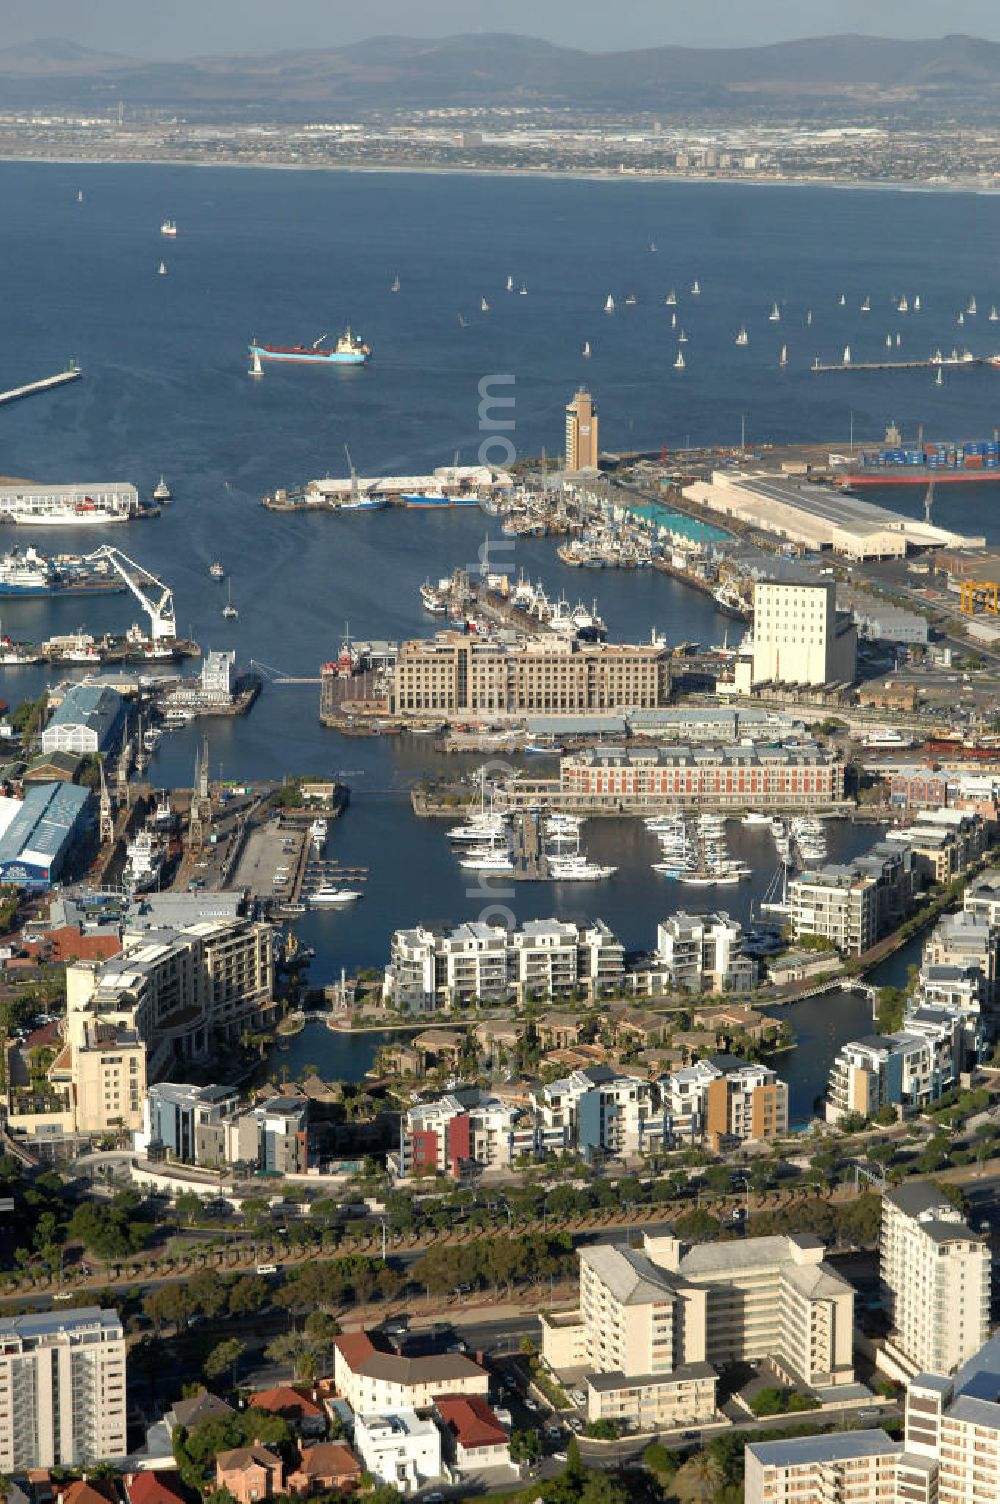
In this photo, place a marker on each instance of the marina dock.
(46, 384)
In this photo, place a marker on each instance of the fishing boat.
(609, 305)
(348, 351)
(679, 362)
(743, 337)
(775, 313)
(395, 283)
(169, 228)
(161, 491)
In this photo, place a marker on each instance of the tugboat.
(161, 491)
(169, 228)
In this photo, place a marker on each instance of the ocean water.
(288, 256)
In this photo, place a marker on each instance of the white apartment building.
(62, 1389)
(866, 1467)
(432, 969)
(701, 953)
(375, 1379)
(935, 1276)
(798, 637)
(953, 1424)
(599, 1111)
(904, 1070)
(655, 1325)
(400, 1448)
(968, 938)
(452, 1132)
(724, 1097)
(838, 903)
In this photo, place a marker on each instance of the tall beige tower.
(581, 432)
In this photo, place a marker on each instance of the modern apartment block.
(206, 1125)
(601, 1111)
(724, 1098)
(799, 637)
(950, 1452)
(582, 447)
(904, 1070)
(62, 1389)
(852, 904)
(454, 674)
(702, 953)
(936, 1281)
(547, 958)
(944, 842)
(655, 1325)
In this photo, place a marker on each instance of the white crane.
(162, 624)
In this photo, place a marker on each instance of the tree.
(525, 1446)
(697, 1226)
(187, 1206)
(660, 1461)
(250, 1294)
(224, 1358)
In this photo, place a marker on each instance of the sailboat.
(609, 306)
(939, 379)
(961, 318)
(899, 340)
(510, 283)
(743, 337)
(162, 268)
(843, 300)
(395, 283)
(970, 307)
(682, 338)
(484, 305)
(775, 313)
(79, 196)
(916, 303)
(671, 298)
(903, 306)
(522, 291)
(809, 315)
(652, 245)
(847, 355)
(673, 321)
(783, 358)
(229, 611)
(866, 306)
(888, 341)
(463, 321)
(993, 315)
(695, 289)
(679, 362)
(585, 352)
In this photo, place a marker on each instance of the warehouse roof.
(92, 705)
(36, 829)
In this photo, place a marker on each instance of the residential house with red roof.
(301, 1409)
(329, 1465)
(249, 1473)
(473, 1435)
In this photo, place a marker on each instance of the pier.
(46, 384)
(932, 363)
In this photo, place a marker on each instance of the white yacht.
(755, 817)
(783, 357)
(775, 313)
(743, 337)
(482, 827)
(695, 289)
(162, 269)
(395, 283)
(510, 283)
(217, 571)
(609, 306)
(484, 860)
(484, 305)
(866, 306)
(679, 363)
(161, 491)
(577, 869)
(585, 352)
(682, 338)
(671, 299)
(332, 898)
(847, 355)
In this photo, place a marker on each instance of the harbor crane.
(354, 475)
(143, 585)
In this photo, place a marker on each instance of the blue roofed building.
(39, 833)
(89, 719)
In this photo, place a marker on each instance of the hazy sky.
(174, 28)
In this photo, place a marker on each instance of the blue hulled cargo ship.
(348, 351)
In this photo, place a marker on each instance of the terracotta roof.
(286, 1401)
(88, 1493)
(67, 943)
(328, 1459)
(48, 1034)
(470, 1420)
(362, 1356)
(241, 1458)
(153, 1488)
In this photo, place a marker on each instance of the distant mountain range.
(838, 74)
